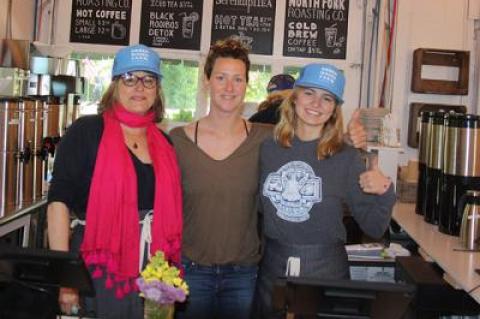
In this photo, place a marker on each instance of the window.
(98, 74)
(259, 76)
(293, 71)
(180, 86)
(258, 79)
(180, 81)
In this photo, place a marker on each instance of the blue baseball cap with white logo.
(136, 58)
(323, 76)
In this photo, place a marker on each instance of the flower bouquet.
(161, 286)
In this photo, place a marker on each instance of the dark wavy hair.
(227, 48)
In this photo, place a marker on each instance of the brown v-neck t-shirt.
(220, 200)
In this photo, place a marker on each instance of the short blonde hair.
(331, 139)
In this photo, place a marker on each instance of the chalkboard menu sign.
(316, 29)
(174, 24)
(102, 22)
(252, 22)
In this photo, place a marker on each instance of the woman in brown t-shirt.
(219, 156)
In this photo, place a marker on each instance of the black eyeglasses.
(148, 81)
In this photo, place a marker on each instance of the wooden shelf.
(439, 57)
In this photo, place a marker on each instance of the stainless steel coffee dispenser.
(461, 168)
(9, 120)
(434, 168)
(38, 152)
(38, 100)
(425, 133)
(26, 136)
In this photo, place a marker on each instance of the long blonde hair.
(331, 138)
(111, 96)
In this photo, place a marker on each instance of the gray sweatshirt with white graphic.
(303, 197)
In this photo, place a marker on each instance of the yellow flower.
(159, 269)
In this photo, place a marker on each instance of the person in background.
(278, 88)
(307, 173)
(116, 173)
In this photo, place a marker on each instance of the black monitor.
(352, 299)
(30, 278)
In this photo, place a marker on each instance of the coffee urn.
(38, 152)
(462, 168)
(26, 140)
(434, 168)
(9, 164)
(33, 117)
(425, 133)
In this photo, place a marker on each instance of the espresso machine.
(36, 105)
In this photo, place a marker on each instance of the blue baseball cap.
(280, 82)
(323, 76)
(136, 58)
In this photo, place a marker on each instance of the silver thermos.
(434, 154)
(470, 228)
(461, 169)
(426, 134)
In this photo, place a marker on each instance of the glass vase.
(154, 310)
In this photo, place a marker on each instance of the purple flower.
(160, 292)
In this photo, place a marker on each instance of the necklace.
(134, 140)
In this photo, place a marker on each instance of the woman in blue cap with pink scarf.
(116, 173)
(307, 175)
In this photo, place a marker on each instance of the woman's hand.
(356, 133)
(69, 300)
(58, 239)
(373, 181)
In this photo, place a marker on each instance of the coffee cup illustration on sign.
(118, 31)
(331, 36)
(244, 39)
(188, 24)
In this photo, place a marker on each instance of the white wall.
(22, 19)
(439, 24)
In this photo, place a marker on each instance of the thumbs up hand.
(373, 181)
(356, 133)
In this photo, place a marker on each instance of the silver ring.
(75, 309)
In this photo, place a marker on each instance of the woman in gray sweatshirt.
(307, 176)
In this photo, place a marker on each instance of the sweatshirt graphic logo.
(293, 190)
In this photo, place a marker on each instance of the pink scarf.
(112, 233)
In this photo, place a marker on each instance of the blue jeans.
(224, 291)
